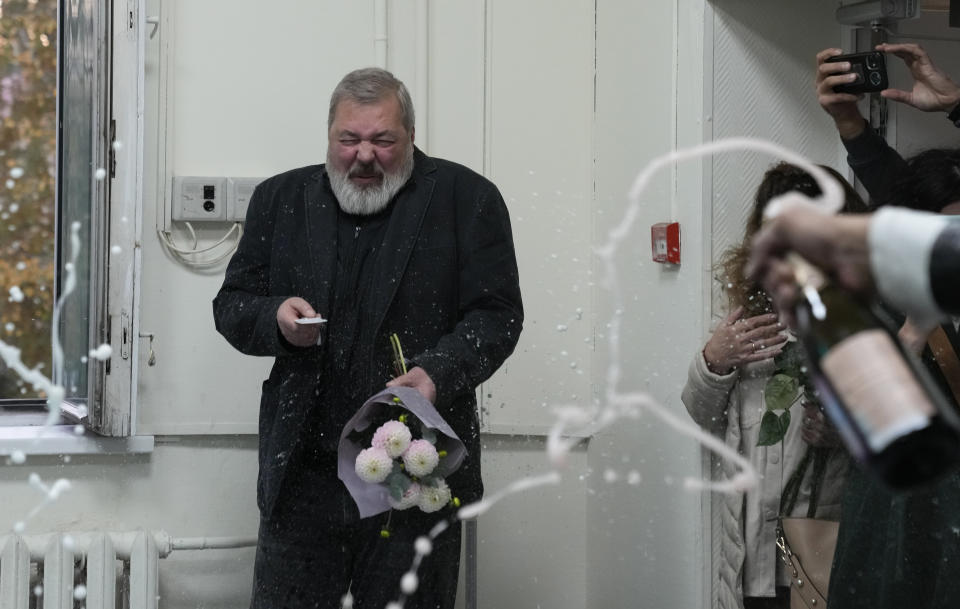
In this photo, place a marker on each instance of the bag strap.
(788, 498)
(946, 358)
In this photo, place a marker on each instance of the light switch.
(239, 191)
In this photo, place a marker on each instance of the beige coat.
(731, 406)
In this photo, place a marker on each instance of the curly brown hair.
(779, 179)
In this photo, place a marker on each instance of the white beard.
(367, 201)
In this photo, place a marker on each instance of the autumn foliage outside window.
(28, 89)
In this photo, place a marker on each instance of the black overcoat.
(446, 283)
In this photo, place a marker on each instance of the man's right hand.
(837, 244)
(299, 335)
(842, 107)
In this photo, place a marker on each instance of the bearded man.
(381, 239)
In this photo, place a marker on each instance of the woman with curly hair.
(725, 394)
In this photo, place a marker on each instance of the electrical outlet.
(239, 191)
(197, 199)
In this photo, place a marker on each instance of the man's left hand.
(419, 380)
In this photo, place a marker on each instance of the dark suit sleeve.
(490, 307)
(244, 310)
(945, 269)
(876, 165)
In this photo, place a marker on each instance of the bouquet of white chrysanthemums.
(406, 461)
(405, 466)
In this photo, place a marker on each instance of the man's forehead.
(384, 113)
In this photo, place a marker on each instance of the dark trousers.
(780, 601)
(315, 548)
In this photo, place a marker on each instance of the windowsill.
(61, 440)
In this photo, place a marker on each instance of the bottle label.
(878, 387)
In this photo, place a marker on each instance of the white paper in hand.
(311, 320)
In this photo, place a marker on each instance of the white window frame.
(115, 256)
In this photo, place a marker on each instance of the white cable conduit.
(380, 32)
(422, 76)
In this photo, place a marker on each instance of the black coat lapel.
(403, 231)
(320, 209)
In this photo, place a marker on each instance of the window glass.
(28, 86)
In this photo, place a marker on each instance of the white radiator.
(98, 570)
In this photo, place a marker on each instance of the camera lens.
(875, 78)
(873, 61)
(209, 206)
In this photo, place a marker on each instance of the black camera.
(871, 71)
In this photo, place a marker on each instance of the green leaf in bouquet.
(791, 360)
(428, 434)
(430, 480)
(769, 429)
(784, 420)
(781, 392)
(398, 483)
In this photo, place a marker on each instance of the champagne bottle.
(890, 415)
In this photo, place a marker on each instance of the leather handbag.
(807, 545)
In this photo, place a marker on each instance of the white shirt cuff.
(900, 243)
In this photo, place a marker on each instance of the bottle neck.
(811, 281)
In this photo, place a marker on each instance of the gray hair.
(368, 86)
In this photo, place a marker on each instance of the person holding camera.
(896, 550)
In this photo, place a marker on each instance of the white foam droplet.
(409, 583)
(18, 457)
(100, 173)
(423, 546)
(18, 527)
(16, 173)
(16, 294)
(78, 430)
(101, 353)
(80, 592)
(117, 144)
(9, 326)
(38, 590)
(115, 249)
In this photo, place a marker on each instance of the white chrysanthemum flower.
(373, 465)
(420, 458)
(410, 498)
(433, 498)
(394, 437)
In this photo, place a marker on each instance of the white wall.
(644, 541)
(188, 487)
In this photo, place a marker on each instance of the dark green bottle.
(890, 415)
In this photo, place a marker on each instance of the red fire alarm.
(665, 242)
